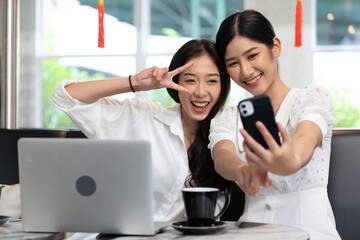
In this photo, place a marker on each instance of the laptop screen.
(86, 185)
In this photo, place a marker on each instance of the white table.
(248, 231)
(13, 230)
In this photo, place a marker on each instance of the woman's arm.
(313, 118)
(307, 137)
(293, 154)
(225, 159)
(91, 91)
(147, 79)
(229, 166)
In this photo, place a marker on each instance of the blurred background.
(53, 40)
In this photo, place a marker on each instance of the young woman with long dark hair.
(285, 184)
(197, 80)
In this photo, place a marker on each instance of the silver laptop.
(82, 185)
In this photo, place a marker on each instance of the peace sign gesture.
(155, 78)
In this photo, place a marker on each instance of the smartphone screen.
(258, 108)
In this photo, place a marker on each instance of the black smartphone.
(258, 108)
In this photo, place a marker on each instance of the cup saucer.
(4, 219)
(185, 228)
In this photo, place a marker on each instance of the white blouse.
(139, 119)
(10, 204)
(299, 199)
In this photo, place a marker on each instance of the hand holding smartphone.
(258, 108)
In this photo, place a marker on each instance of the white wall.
(296, 64)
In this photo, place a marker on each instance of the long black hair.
(250, 24)
(201, 164)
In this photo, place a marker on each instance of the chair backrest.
(74, 133)
(344, 178)
(9, 170)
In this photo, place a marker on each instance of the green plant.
(161, 96)
(345, 112)
(170, 32)
(52, 75)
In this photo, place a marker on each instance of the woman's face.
(203, 80)
(252, 64)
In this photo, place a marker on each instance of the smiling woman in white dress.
(197, 81)
(285, 184)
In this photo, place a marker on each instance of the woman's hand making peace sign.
(155, 78)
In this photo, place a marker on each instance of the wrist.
(131, 84)
(238, 170)
(135, 85)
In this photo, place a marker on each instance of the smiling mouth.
(200, 106)
(253, 81)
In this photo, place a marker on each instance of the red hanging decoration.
(101, 42)
(298, 24)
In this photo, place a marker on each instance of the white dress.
(301, 199)
(139, 119)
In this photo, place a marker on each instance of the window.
(337, 55)
(58, 40)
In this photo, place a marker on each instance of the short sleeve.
(223, 126)
(314, 104)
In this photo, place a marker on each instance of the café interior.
(44, 42)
